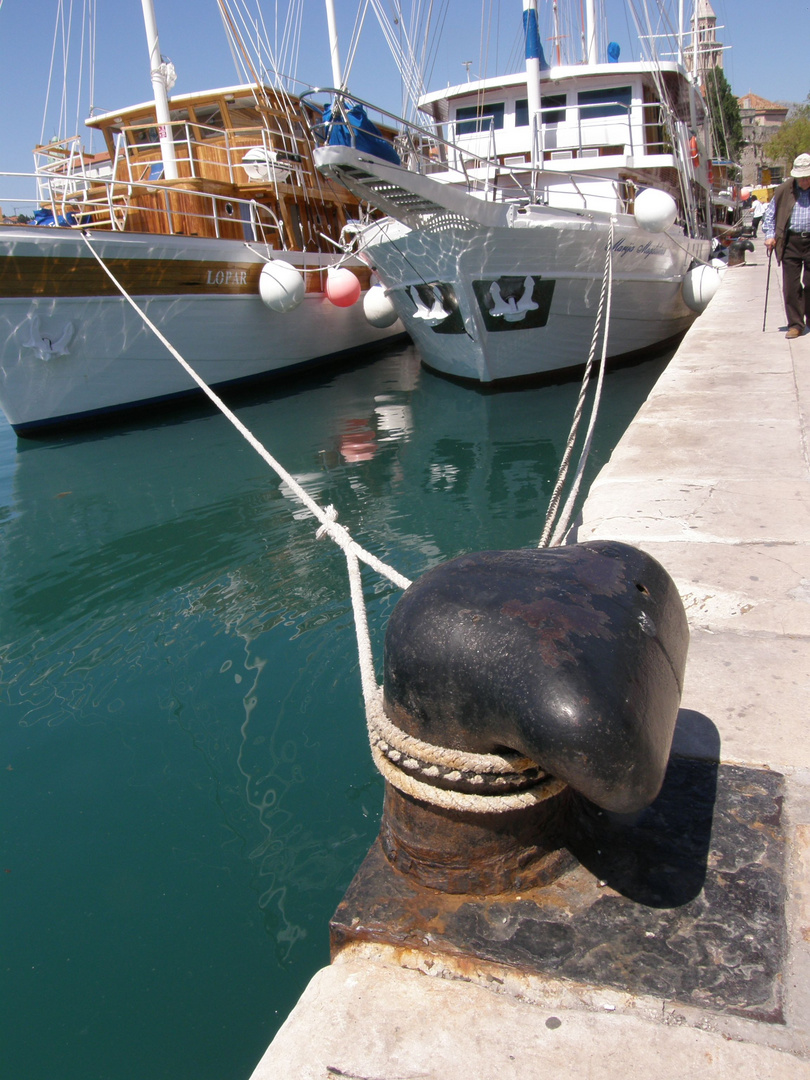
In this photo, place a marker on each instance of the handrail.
(71, 167)
(450, 157)
(116, 198)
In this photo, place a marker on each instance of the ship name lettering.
(227, 277)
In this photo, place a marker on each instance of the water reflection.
(181, 705)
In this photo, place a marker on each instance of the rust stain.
(559, 623)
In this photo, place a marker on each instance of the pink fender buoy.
(342, 287)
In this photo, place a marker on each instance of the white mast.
(337, 74)
(159, 86)
(680, 32)
(533, 55)
(590, 31)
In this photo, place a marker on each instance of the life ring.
(693, 149)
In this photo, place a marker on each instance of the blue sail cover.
(534, 50)
(364, 135)
(46, 217)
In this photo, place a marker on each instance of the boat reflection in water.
(191, 788)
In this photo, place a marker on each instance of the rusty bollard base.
(684, 902)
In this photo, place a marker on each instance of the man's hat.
(801, 166)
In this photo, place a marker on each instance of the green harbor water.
(186, 786)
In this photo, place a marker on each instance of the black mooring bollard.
(571, 660)
(737, 250)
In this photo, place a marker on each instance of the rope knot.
(331, 515)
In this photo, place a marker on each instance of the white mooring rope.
(397, 755)
(551, 537)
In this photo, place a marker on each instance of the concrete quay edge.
(712, 478)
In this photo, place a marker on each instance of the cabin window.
(598, 104)
(471, 119)
(551, 105)
(144, 136)
(209, 116)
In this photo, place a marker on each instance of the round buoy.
(655, 211)
(377, 307)
(746, 193)
(342, 287)
(281, 286)
(699, 286)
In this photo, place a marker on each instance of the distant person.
(786, 228)
(758, 209)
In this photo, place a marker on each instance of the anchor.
(512, 310)
(44, 346)
(431, 315)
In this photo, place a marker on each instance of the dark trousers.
(796, 279)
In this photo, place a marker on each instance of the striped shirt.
(799, 219)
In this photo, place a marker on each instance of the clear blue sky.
(768, 54)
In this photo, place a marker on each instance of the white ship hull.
(561, 263)
(72, 347)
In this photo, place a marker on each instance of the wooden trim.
(39, 276)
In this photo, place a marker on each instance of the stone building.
(761, 119)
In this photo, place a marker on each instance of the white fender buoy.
(699, 286)
(655, 210)
(378, 309)
(281, 286)
(342, 287)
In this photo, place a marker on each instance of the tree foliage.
(724, 110)
(793, 137)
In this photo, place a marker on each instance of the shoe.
(794, 332)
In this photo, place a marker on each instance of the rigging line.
(50, 77)
(92, 81)
(222, 4)
(354, 41)
(327, 517)
(240, 72)
(403, 58)
(551, 513)
(63, 123)
(431, 52)
(383, 226)
(563, 527)
(650, 52)
(82, 47)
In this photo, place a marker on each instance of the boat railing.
(600, 129)
(419, 149)
(491, 175)
(64, 166)
(111, 204)
(236, 156)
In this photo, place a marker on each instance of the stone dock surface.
(712, 479)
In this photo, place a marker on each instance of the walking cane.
(767, 286)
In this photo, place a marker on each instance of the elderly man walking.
(786, 229)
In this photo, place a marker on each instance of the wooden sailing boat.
(207, 210)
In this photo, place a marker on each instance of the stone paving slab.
(745, 588)
(727, 449)
(739, 510)
(364, 1020)
(755, 690)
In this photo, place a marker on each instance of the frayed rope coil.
(442, 776)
